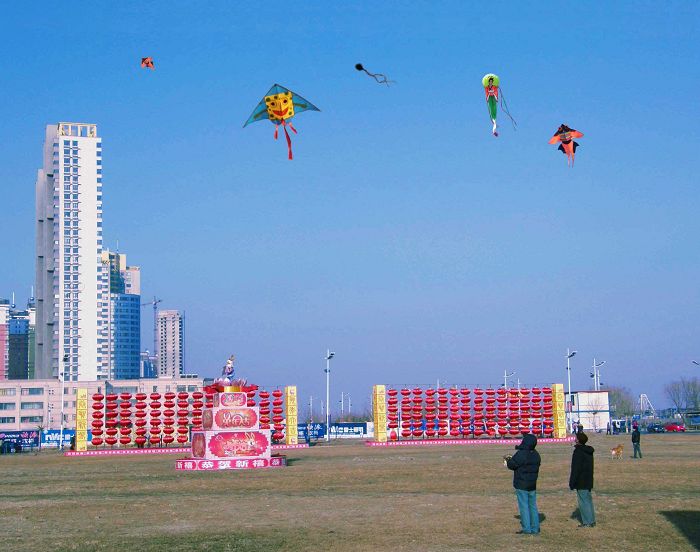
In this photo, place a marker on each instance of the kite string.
(504, 106)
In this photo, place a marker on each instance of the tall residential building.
(16, 341)
(4, 337)
(70, 299)
(122, 348)
(170, 344)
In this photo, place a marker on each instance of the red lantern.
(97, 432)
(264, 394)
(140, 441)
(169, 413)
(182, 395)
(154, 431)
(125, 440)
(154, 396)
(250, 403)
(197, 395)
(112, 431)
(98, 415)
(392, 392)
(97, 441)
(197, 413)
(277, 419)
(155, 405)
(111, 397)
(97, 423)
(393, 424)
(125, 396)
(140, 396)
(141, 431)
(98, 397)
(417, 432)
(98, 406)
(154, 440)
(169, 396)
(111, 440)
(182, 438)
(167, 439)
(277, 393)
(168, 430)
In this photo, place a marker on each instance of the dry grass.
(347, 497)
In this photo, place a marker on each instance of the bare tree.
(674, 392)
(621, 401)
(691, 393)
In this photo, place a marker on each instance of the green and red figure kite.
(494, 96)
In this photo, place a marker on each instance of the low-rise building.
(29, 404)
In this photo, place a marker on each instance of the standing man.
(581, 479)
(526, 467)
(635, 441)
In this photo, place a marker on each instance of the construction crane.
(155, 323)
(645, 406)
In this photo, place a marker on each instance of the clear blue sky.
(403, 235)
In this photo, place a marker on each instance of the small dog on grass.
(617, 451)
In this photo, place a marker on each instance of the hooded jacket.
(581, 477)
(636, 435)
(525, 464)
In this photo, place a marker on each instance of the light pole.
(596, 374)
(62, 371)
(506, 375)
(569, 355)
(329, 356)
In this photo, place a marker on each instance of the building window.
(8, 392)
(8, 406)
(7, 420)
(32, 391)
(31, 405)
(31, 419)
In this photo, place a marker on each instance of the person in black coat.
(636, 437)
(525, 464)
(581, 479)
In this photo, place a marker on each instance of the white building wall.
(69, 244)
(170, 344)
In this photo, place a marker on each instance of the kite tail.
(289, 140)
(504, 106)
(277, 127)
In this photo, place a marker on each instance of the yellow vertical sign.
(291, 407)
(81, 419)
(559, 410)
(379, 411)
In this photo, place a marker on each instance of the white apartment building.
(71, 325)
(170, 344)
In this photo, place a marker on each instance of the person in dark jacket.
(581, 479)
(526, 467)
(635, 441)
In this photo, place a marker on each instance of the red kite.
(147, 62)
(567, 146)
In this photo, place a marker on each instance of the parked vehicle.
(674, 427)
(656, 428)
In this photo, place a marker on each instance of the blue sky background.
(403, 235)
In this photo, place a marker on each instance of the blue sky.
(403, 235)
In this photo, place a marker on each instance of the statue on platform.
(228, 377)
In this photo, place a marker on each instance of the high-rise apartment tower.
(71, 332)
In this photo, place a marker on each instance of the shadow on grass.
(542, 517)
(576, 514)
(292, 461)
(687, 522)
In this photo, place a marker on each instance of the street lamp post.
(569, 355)
(506, 375)
(329, 356)
(596, 374)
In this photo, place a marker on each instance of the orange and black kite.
(147, 62)
(565, 136)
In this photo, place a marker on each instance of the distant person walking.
(635, 441)
(607, 431)
(581, 479)
(525, 464)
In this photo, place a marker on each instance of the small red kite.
(567, 146)
(147, 62)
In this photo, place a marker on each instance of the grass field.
(347, 497)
